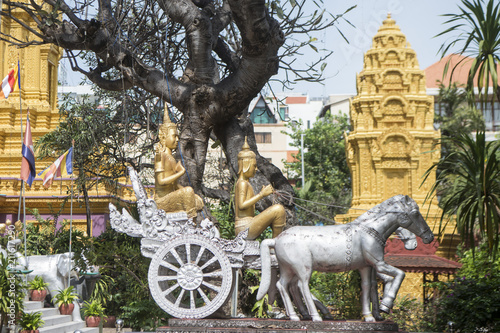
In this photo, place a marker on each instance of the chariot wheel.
(190, 277)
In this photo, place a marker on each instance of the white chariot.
(191, 274)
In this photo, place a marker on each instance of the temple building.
(38, 94)
(391, 145)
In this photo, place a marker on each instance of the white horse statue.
(410, 243)
(337, 248)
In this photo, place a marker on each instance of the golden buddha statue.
(245, 200)
(170, 196)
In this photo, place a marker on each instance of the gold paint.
(392, 119)
(39, 93)
(388, 149)
(245, 200)
(169, 195)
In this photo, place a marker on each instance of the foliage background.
(327, 176)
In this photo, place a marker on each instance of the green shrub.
(11, 292)
(472, 300)
(125, 271)
(338, 291)
(143, 315)
(411, 315)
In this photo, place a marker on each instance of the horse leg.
(391, 290)
(374, 295)
(282, 286)
(323, 309)
(297, 299)
(306, 294)
(366, 284)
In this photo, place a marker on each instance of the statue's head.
(247, 163)
(168, 133)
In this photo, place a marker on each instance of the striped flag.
(9, 83)
(28, 172)
(63, 166)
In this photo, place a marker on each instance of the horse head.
(409, 238)
(412, 219)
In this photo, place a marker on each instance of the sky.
(419, 20)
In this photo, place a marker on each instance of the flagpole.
(22, 198)
(71, 211)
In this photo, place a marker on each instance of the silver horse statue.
(410, 243)
(337, 248)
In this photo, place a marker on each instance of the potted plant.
(37, 288)
(64, 300)
(102, 294)
(30, 322)
(93, 311)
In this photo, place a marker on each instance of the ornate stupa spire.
(392, 119)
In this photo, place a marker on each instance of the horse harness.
(374, 233)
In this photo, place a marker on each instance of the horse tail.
(265, 257)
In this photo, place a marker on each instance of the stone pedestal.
(272, 325)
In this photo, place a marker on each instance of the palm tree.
(469, 186)
(476, 32)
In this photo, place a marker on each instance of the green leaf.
(279, 12)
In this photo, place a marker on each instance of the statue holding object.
(169, 195)
(245, 200)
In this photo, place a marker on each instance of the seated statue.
(245, 200)
(170, 196)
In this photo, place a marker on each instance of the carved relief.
(393, 80)
(396, 142)
(393, 107)
(375, 150)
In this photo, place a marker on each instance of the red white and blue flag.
(9, 83)
(28, 172)
(63, 166)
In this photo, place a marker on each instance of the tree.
(105, 139)
(456, 115)
(469, 185)
(327, 176)
(478, 28)
(207, 58)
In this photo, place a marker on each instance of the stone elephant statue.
(55, 271)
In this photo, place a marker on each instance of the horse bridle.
(407, 217)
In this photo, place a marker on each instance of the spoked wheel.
(190, 277)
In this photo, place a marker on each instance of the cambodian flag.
(28, 172)
(9, 83)
(63, 166)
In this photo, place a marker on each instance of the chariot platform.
(274, 325)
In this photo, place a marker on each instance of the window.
(284, 112)
(496, 116)
(262, 115)
(437, 109)
(263, 137)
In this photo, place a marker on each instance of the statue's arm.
(241, 192)
(170, 179)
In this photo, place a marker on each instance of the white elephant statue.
(54, 269)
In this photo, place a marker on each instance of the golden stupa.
(393, 141)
